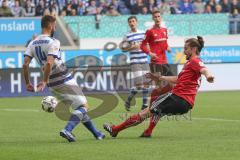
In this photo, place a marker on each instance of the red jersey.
(156, 38)
(189, 80)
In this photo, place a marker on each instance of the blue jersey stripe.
(132, 35)
(138, 39)
(55, 56)
(60, 81)
(27, 56)
(143, 57)
(59, 74)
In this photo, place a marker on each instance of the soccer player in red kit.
(157, 40)
(181, 99)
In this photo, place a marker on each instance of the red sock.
(153, 122)
(131, 121)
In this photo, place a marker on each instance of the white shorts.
(138, 72)
(70, 92)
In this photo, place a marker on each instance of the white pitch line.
(19, 110)
(193, 118)
(216, 119)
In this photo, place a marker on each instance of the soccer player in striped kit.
(46, 50)
(138, 62)
(181, 99)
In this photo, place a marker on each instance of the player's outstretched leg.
(156, 93)
(153, 122)
(90, 126)
(79, 115)
(130, 122)
(133, 92)
(74, 120)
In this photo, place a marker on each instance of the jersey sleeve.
(53, 49)
(197, 65)
(28, 51)
(145, 41)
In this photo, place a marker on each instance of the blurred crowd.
(30, 8)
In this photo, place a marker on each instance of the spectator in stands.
(74, 4)
(122, 8)
(174, 7)
(114, 3)
(212, 4)
(40, 8)
(68, 9)
(225, 6)
(208, 9)
(80, 8)
(198, 7)
(73, 12)
(92, 8)
(164, 8)
(5, 11)
(61, 4)
(137, 8)
(145, 11)
(150, 5)
(17, 10)
(129, 4)
(186, 7)
(218, 8)
(235, 7)
(63, 13)
(112, 11)
(29, 9)
(54, 9)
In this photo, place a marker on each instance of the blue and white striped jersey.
(136, 56)
(44, 46)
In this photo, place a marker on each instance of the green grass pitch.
(213, 132)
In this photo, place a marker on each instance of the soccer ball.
(49, 103)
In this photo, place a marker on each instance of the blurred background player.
(156, 45)
(182, 97)
(46, 50)
(138, 62)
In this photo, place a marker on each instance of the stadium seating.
(178, 25)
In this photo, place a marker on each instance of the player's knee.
(80, 112)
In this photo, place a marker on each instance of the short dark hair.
(46, 20)
(132, 17)
(154, 12)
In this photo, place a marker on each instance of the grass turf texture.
(27, 132)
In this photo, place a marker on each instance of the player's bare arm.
(47, 70)
(207, 74)
(169, 49)
(29, 85)
(156, 77)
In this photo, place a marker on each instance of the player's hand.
(30, 87)
(210, 79)
(152, 76)
(41, 86)
(153, 55)
(169, 49)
